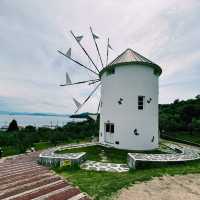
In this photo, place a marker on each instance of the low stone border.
(187, 154)
(52, 159)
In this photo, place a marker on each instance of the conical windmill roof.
(132, 57)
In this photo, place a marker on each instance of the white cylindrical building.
(129, 103)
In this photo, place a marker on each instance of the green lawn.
(194, 137)
(46, 145)
(10, 150)
(96, 152)
(102, 185)
(42, 145)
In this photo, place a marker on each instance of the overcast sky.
(31, 31)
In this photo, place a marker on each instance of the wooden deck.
(21, 178)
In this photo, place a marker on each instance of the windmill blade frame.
(78, 63)
(77, 103)
(68, 80)
(107, 52)
(69, 52)
(89, 96)
(85, 51)
(97, 48)
(82, 82)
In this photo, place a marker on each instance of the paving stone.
(112, 167)
(93, 168)
(186, 154)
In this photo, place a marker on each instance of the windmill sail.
(108, 47)
(79, 38)
(78, 105)
(93, 116)
(90, 95)
(68, 80)
(75, 61)
(95, 36)
(86, 53)
(69, 52)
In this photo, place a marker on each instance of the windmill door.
(109, 132)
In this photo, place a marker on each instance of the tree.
(196, 124)
(198, 96)
(13, 126)
(176, 101)
(30, 128)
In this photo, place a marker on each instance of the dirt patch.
(185, 187)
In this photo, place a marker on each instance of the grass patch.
(96, 153)
(10, 150)
(46, 145)
(102, 185)
(194, 137)
(42, 145)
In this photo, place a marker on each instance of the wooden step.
(26, 174)
(29, 186)
(24, 181)
(37, 192)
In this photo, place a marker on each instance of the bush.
(13, 126)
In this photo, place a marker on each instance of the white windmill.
(129, 98)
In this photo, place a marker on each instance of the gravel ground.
(186, 187)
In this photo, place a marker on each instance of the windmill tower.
(129, 99)
(129, 102)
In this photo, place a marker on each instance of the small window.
(107, 127)
(140, 102)
(112, 128)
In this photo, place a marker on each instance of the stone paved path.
(21, 178)
(100, 166)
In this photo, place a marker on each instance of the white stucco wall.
(128, 83)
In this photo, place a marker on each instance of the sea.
(34, 120)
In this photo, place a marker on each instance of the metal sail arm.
(81, 82)
(94, 81)
(90, 95)
(94, 36)
(97, 113)
(84, 51)
(108, 47)
(99, 106)
(107, 51)
(78, 63)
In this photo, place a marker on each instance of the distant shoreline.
(33, 114)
